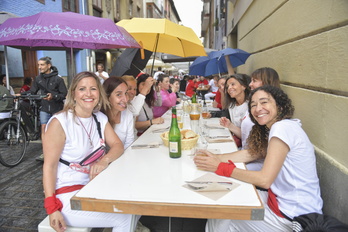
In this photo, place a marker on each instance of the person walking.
(50, 83)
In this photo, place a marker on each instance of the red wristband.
(52, 204)
(225, 169)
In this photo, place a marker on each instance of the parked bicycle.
(22, 126)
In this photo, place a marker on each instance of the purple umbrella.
(67, 30)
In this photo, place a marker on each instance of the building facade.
(306, 42)
(85, 59)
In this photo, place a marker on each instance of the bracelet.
(52, 204)
(225, 169)
(151, 121)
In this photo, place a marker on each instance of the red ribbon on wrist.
(225, 169)
(52, 204)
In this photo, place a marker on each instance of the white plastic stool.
(44, 226)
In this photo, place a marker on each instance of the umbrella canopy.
(237, 56)
(162, 35)
(130, 62)
(67, 29)
(155, 63)
(215, 63)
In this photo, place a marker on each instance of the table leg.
(134, 222)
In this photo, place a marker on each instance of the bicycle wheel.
(12, 149)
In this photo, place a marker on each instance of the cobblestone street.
(21, 200)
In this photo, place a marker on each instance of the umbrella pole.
(6, 69)
(153, 61)
(230, 69)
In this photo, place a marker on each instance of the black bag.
(315, 222)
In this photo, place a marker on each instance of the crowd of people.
(102, 111)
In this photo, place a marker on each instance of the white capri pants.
(270, 223)
(77, 218)
(209, 95)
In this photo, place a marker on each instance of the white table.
(149, 182)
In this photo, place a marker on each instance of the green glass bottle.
(194, 98)
(174, 137)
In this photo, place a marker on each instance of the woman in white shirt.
(288, 173)
(236, 94)
(120, 118)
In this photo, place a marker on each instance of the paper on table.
(214, 191)
(218, 134)
(215, 126)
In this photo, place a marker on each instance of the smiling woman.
(71, 135)
(288, 172)
(120, 118)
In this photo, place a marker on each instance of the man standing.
(50, 83)
(101, 73)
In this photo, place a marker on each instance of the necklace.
(90, 130)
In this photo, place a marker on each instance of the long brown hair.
(267, 75)
(109, 86)
(244, 80)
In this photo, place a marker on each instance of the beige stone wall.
(307, 43)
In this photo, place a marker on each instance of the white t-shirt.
(77, 145)
(105, 74)
(125, 129)
(297, 184)
(213, 87)
(237, 113)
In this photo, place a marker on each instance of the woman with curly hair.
(289, 170)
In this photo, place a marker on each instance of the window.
(70, 5)
(97, 8)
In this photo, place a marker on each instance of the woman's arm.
(53, 144)
(276, 154)
(211, 161)
(158, 97)
(136, 104)
(115, 151)
(225, 122)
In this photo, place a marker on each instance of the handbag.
(84, 165)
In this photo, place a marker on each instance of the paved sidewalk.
(21, 200)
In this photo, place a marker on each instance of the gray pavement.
(21, 200)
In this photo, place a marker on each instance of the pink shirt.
(168, 100)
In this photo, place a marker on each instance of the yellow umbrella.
(162, 35)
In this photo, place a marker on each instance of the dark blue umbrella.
(215, 63)
(237, 56)
(207, 65)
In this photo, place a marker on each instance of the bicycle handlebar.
(26, 96)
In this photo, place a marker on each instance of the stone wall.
(306, 42)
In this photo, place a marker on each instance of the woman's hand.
(98, 167)
(225, 122)
(57, 221)
(207, 162)
(158, 120)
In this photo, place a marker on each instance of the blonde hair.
(128, 78)
(70, 102)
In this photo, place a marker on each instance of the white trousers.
(209, 95)
(270, 223)
(77, 218)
